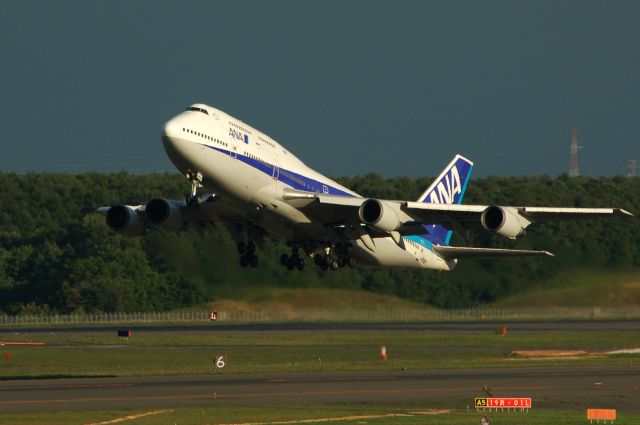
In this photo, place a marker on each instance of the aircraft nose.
(171, 129)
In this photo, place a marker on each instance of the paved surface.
(565, 388)
(532, 326)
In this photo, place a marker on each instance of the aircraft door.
(275, 173)
(233, 149)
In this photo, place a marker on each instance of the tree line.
(58, 256)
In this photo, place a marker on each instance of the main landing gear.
(246, 234)
(293, 261)
(248, 255)
(332, 257)
(335, 257)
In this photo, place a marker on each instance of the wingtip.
(549, 254)
(620, 211)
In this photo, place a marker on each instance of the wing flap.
(539, 214)
(446, 214)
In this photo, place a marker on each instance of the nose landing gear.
(196, 183)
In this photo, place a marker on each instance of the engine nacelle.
(124, 220)
(164, 214)
(379, 215)
(504, 221)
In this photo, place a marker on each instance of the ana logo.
(237, 135)
(447, 189)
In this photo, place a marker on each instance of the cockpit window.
(193, 108)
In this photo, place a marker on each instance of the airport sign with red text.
(503, 403)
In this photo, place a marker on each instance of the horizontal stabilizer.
(454, 252)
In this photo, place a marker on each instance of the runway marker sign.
(501, 403)
(601, 415)
(220, 361)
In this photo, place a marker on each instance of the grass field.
(581, 288)
(101, 353)
(328, 414)
(185, 353)
(573, 288)
(177, 353)
(290, 299)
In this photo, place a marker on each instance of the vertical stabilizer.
(447, 188)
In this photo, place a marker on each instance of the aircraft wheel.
(251, 248)
(342, 262)
(284, 259)
(253, 261)
(244, 261)
(351, 262)
(242, 248)
(291, 264)
(193, 200)
(333, 264)
(300, 264)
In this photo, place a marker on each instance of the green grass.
(186, 353)
(157, 353)
(573, 288)
(298, 300)
(360, 413)
(581, 288)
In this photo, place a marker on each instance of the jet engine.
(504, 221)
(379, 215)
(164, 214)
(124, 220)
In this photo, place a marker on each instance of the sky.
(350, 87)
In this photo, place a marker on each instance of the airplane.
(259, 188)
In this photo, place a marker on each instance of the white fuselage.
(251, 172)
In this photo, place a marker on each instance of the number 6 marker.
(221, 362)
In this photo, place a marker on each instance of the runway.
(550, 388)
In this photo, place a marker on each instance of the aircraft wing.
(407, 217)
(441, 213)
(167, 214)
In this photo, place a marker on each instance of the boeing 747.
(258, 188)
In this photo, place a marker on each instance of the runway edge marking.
(130, 417)
(318, 420)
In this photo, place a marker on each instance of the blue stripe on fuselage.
(298, 181)
(295, 180)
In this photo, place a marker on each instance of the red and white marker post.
(383, 352)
